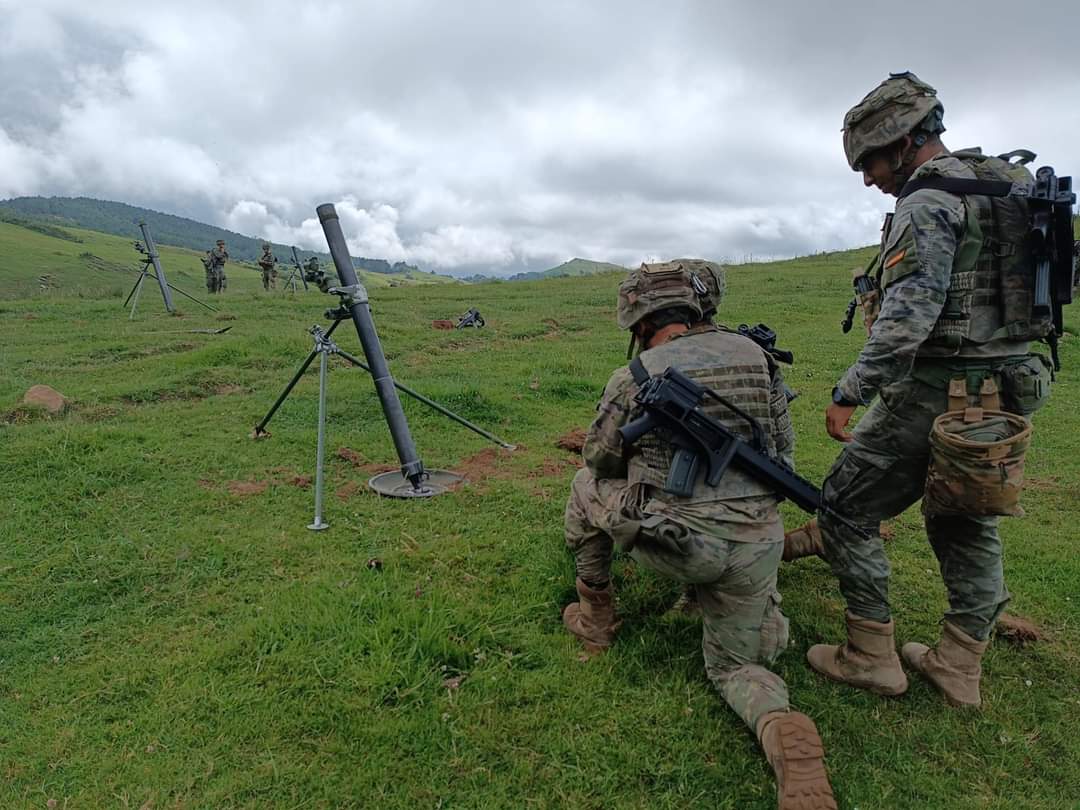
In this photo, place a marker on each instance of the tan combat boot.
(593, 618)
(794, 750)
(867, 661)
(804, 541)
(954, 666)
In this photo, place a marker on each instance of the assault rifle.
(765, 337)
(672, 400)
(1051, 242)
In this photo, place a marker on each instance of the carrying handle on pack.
(1024, 156)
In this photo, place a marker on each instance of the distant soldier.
(267, 262)
(314, 275)
(218, 257)
(208, 264)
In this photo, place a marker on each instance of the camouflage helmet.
(713, 277)
(220, 242)
(658, 286)
(896, 107)
(265, 245)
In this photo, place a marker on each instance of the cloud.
(493, 137)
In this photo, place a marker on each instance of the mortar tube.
(412, 467)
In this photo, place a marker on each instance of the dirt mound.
(1018, 630)
(573, 441)
(351, 456)
(485, 465)
(44, 396)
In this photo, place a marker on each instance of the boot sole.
(805, 783)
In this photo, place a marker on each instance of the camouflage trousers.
(269, 279)
(879, 475)
(735, 583)
(215, 279)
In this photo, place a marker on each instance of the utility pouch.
(682, 476)
(976, 462)
(868, 294)
(1026, 385)
(665, 533)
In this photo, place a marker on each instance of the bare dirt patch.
(1018, 630)
(244, 489)
(229, 388)
(485, 465)
(441, 324)
(573, 442)
(354, 457)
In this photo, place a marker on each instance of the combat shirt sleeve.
(603, 450)
(916, 266)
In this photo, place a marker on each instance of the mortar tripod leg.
(318, 524)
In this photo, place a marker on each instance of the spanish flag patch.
(895, 259)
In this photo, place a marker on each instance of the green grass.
(165, 643)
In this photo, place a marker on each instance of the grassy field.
(172, 636)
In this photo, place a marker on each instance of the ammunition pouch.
(976, 463)
(1026, 385)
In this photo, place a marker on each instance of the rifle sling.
(637, 369)
(958, 185)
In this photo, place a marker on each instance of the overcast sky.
(497, 137)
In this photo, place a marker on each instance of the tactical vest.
(992, 282)
(737, 369)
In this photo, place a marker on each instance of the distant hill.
(574, 267)
(121, 219)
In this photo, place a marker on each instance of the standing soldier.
(267, 262)
(218, 257)
(724, 540)
(948, 335)
(208, 264)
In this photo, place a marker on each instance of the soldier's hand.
(836, 421)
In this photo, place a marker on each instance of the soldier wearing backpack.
(954, 316)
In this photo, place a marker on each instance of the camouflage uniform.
(726, 540)
(267, 262)
(930, 265)
(208, 264)
(218, 257)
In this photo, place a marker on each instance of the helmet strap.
(905, 158)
